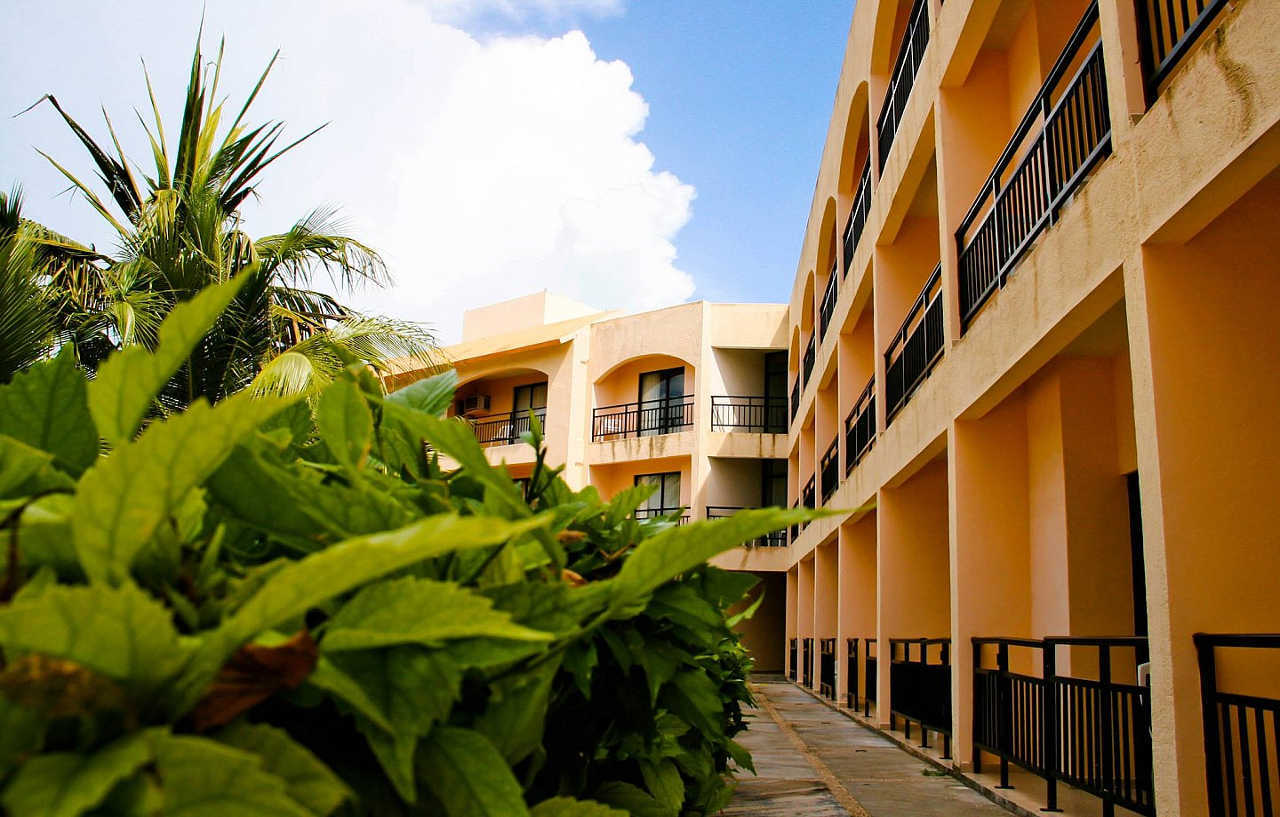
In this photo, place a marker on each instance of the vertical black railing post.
(946, 736)
(1004, 712)
(1106, 729)
(924, 662)
(1049, 725)
(1212, 726)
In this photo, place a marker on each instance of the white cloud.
(481, 169)
(456, 10)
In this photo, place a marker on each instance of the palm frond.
(316, 242)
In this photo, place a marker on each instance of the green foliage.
(266, 607)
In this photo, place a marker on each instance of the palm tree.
(27, 315)
(179, 230)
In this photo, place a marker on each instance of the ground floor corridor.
(812, 761)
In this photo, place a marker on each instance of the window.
(665, 500)
(530, 397)
(662, 405)
(775, 392)
(773, 483)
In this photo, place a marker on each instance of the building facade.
(690, 399)
(1034, 357)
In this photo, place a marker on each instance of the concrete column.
(857, 565)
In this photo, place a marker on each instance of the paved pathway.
(814, 762)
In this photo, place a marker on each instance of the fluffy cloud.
(482, 169)
(455, 10)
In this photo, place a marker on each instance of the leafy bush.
(267, 607)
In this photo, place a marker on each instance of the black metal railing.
(795, 527)
(857, 216)
(806, 668)
(809, 354)
(645, 418)
(828, 306)
(869, 646)
(760, 415)
(795, 398)
(505, 429)
(916, 347)
(1241, 734)
(793, 658)
(920, 688)
(658, 513)
(1064, 134)
(910, 54)
(1092, 733)
(807, 498)
(775, 539)
(827, 668)
(830, 470)
(860, 427)
(851, 674)
(1166, 31)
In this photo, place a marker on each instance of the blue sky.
(666, 152)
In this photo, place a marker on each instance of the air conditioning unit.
(472, 405)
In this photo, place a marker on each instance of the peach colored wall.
(622, 385)
(736, 372)
(520, 313)
(734, 482)
(610, 479)
(764, 633)
(826, 590)
(804, 600)
(857, 613)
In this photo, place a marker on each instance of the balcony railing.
(1166, 31)
(869, 646)
(910, 54)
(920, 688)
(810, 352)
(853, 698)
(1238, 731)
(828, 306)
(851, 674)
(643, 419)
(916, 347)
(775, 539)
(793, 659)
(795, 527)
(830, 470)
(758, 415)
(1096, 735)
(659, 513)
(827, 668)
(860, 427)
(806, 669)
(505, 429)
(808, 497)
(795, 398)
(857, 216)
(1064, 134)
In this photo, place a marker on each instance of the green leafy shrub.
(270, 607)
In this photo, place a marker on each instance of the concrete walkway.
(814, 762)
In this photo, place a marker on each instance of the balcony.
(1236, 724)
(1166, 32)
(916, 347)
(830, 470)
(659, 513)
(828, 306)
(807, 498)
(646, 418)
(776, 539)
(505, 429)
(910, 54)
(860, 427)
(810, 353)
(857, 217)
(758, 415)
(795, 528)
(795, 398)
(1091, 733)
(868, 696)
(920, 688)
(1062, 136)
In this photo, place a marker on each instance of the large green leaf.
(419, 611)
(517, 712)
(468, 775)
(124, 498)
(345, 423)
(682, 548)
(632, 799)
(663, 781)
(431, 395)
(568, 807)
(301, 585)
(47, 407)
(204, 778)
(129, 380)
(21, 733)
(119, 632)
(408, 687)
(44, 535)
(26, 470)
(67, 784)
(694, 697)
(307, 780)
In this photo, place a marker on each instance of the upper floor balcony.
(643, 418)
(749, 414)
(916, 347)
(910, 55)
(506, 429)
(858, 216)
(860, 427)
